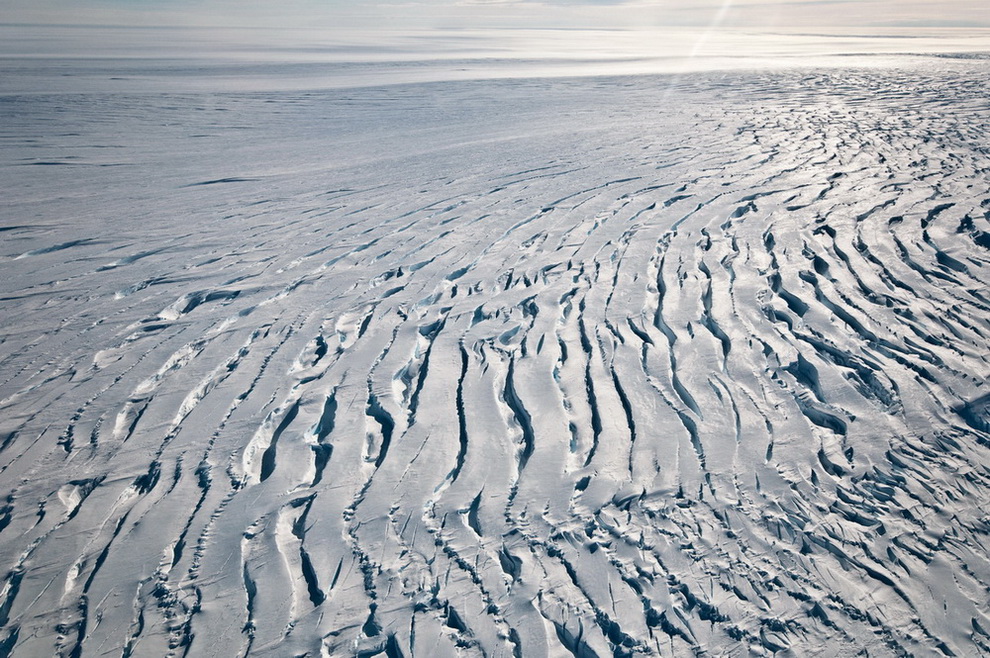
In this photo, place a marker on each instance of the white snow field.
(629, 365)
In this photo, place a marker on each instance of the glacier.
(673, 363)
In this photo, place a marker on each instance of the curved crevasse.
(630, 366)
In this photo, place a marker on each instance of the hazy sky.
(783, 14)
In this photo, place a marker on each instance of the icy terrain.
(644, 365)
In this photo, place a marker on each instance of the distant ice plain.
(494, 343)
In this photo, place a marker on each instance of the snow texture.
(654, 365)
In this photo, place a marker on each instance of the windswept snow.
(658, 365)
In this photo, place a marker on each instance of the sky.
(774, 14)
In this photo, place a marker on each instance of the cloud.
(486, 13)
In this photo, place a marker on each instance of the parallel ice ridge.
(598, 367)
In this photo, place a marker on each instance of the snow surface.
(629, 365)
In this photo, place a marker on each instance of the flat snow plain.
(680, 364)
